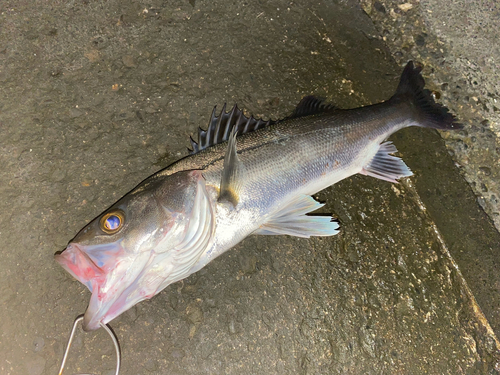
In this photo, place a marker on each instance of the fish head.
(145, 241)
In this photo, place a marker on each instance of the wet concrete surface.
(97, 95)
(454, 40)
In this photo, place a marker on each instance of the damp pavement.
(97, 95)
(457, 41)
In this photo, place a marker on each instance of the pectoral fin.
(292, 220)
(232, 173)
(386, 166)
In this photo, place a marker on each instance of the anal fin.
(386, 166)
(293, 221)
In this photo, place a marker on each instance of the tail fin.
(429, 113)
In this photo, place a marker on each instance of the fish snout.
(74, 260)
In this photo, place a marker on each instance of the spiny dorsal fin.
(220, 127)
(311, 105)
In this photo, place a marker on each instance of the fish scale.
(244, 176)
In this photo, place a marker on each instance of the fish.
(243, 176)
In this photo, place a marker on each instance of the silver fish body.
(236, 183)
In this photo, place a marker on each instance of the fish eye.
(112, 222)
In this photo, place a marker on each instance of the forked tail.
(429, 113)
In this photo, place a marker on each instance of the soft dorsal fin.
(311, 105)
(219, 128)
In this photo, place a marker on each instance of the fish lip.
(73, 259)
(102, 307)
(92, 320)
(77, 263)
(101, 312)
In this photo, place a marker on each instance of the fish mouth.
(79, 265)
(108, 298)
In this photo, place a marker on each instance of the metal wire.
(72, 335)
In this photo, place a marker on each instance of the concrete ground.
(458, 43)
(97, 95)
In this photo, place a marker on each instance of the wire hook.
(72, 335)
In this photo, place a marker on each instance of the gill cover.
(149, 239)
(175, 255)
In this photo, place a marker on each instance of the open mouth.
(80, 266)
(113, 283)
